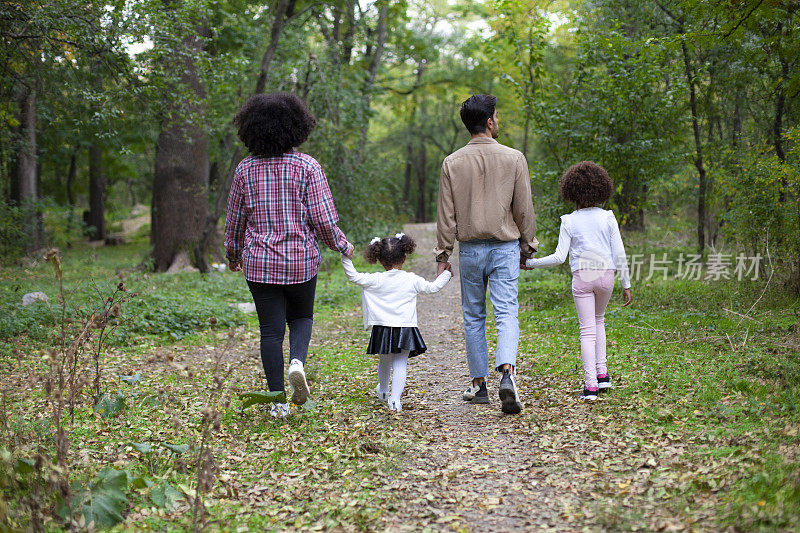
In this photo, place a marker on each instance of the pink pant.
(591, 290)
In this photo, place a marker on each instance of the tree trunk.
(737, 123)
(777, 126)
(630, 202)
(274, 35)
(372, 73)
(97, 191)
(26, 172)
(409, 168)
(209, 227)
(180, 205)
(347, 44)
(698, 160)
(526, 127)
(71, 174)
(422, 184)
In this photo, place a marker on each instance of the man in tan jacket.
(485, 204)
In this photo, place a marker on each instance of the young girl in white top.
(590, 235)
(390, 307)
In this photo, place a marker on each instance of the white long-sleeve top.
(592, 239)
(390, 298)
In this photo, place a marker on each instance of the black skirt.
(385, 339)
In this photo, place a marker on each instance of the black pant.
(278, 305)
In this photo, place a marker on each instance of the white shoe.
(279, 410)
(469, 394)
(395, 405)
(382, 396)
(297, 379)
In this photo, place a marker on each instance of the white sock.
(399, 369)
(384, 370)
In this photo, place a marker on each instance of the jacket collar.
(482, 140)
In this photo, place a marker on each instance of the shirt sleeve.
(618, 253)
(445, 218)
(557, 257)
(323, 215)
(429, 287)
(359, 278)
(235, 219)
(522, 209)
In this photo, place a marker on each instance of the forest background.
(691, 106)
(125, 388)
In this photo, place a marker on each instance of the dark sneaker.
(589, 395)
(481, 395)
(469, 394)
(604, 382)
(509, 398)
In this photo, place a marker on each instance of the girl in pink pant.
(590, 236)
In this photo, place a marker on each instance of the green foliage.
(166, 496)
(177, 449)
(103, 501)
(259, 397)
(12, 235)
(110, 406)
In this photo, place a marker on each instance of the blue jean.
(492, 264)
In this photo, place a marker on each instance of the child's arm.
(359, 278)
(620, 261)
(557, 257)
(429, 287)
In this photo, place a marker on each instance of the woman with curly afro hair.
(590, 236)
(279, 207)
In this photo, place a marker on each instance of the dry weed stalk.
(218, 400)
(65, 380)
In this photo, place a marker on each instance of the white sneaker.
(279, 410)
(469, 394)
(297, 379)
(382, 396)
(395, 405)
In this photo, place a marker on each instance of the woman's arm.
(323, 215)
(235, 222)
(557, 257)
(359, 278)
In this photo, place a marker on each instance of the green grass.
(709, 396)
(691, 374)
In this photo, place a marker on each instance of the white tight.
(394, 364)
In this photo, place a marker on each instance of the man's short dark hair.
(274, 123)
(476, 110)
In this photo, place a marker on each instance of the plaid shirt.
(275, 206)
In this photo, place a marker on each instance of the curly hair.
(390, 251)
(586, 184)
(272, 124)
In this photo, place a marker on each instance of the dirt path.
(481, 470)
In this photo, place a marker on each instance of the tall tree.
(180, 179)
(27, 176)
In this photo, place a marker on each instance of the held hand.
(441, 267)
(350, 251)
(523, 263)
(626, 297)
(449, 268)
(235, 266)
